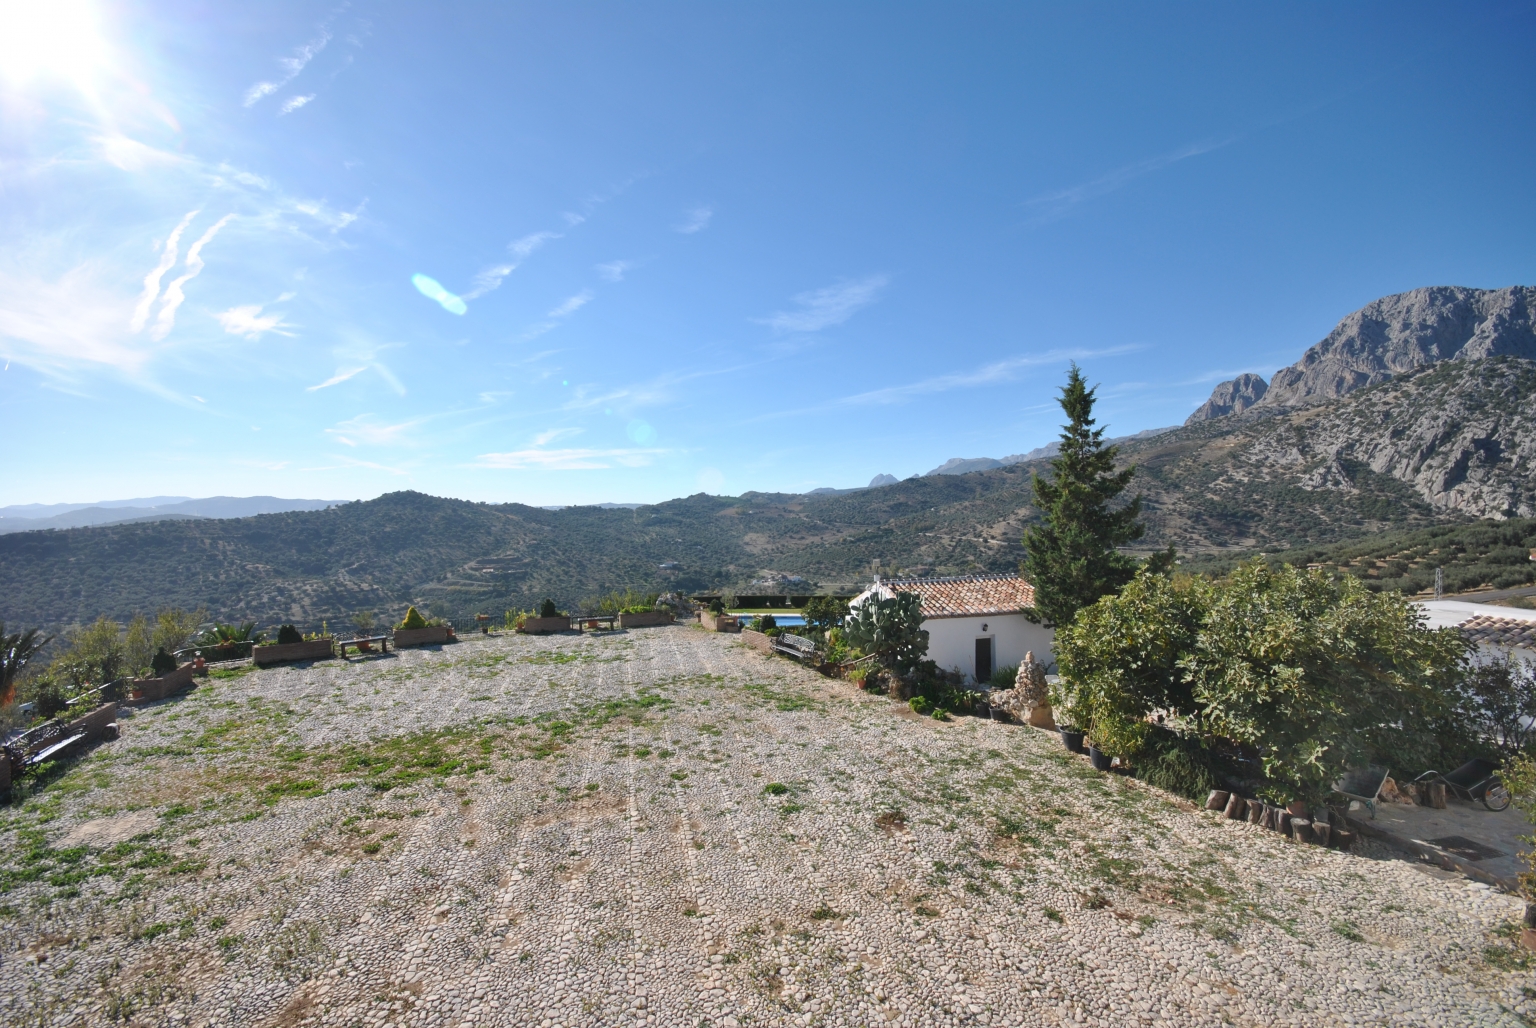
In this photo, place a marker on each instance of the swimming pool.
(782, 620)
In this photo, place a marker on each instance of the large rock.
(1232, 397)
(1406, 331)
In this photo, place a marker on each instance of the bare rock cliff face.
(1401, 333)
(1232, 397)
(1461, 435)
(1389, 337)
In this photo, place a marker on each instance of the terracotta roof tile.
(965, 595)
(1502, 632)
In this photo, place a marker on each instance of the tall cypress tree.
(1071, 559)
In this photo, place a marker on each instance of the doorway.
(983, 660)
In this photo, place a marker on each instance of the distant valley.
(1421, 415)
(31, 517)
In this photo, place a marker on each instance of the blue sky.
(575, 252)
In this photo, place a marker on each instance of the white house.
(1493, 629)
(975, 623)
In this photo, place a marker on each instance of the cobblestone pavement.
(662, 827)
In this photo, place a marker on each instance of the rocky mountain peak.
(1394, 335)
(1231, 397)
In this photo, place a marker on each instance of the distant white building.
(1493, 629)
(975, 623)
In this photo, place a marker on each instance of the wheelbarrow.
(1476, 780)
(1363, 784)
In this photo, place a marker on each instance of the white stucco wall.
(952, 641)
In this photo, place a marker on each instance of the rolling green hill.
(1422, 451)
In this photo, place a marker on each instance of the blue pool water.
(782, 620)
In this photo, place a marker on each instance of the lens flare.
(430, 288)
(55, 38)
(641, 432)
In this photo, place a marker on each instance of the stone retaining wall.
(544, 626)
(147, 690)
(316, 649)
(94, 724)
(757, 640)
(722, 623)
(650, 619)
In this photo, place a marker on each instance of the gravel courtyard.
(663, 827)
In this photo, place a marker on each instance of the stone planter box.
(650, 619)
(544, 626)
(100, 723)
(318, 649)
(422, 636)
(757, 640)
(722, 623)
(147, 690)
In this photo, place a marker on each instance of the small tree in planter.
(162, 663)
(288, 634)
(547, 609)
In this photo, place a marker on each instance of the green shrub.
(764, 623)
(547, 609)
(412, 619)
(1180, 764)
(1309, 674)
(1004, 677)
(288, 634)
(921, 705)
(162, 663)
(825, 611)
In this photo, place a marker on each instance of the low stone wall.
(757, 640)
(422, 636)
(650, 619)
(722, 623)
(95, 724)
(147, 690)
(544, 626)
(315, 649)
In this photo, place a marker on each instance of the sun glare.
(50, 39)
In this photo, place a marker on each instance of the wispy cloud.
(367, 430)
(293, 103)
(168, 254)
(1057, 204)
(342, 374)
(614, 271)
(572, 305)
(822, 308)
(995, 373)
(291, 67)
(174, 293)
(488, 279)
(343, 461)
(549, 436)
(538, 459)
(695, 220)
(522, 248)
(248, 321)
(988, 374)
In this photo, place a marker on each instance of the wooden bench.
(342, 644)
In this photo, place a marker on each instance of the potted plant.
(1063, 698)
(291, 645)
(550, 619)
(415, 630)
